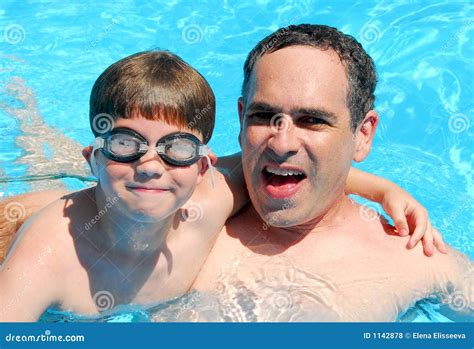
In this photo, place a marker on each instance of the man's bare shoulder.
(53, 225)
(378, 242)
(43, 257)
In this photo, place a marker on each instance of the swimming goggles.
(125, 145)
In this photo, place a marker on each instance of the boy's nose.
(150, 164)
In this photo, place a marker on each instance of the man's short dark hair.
(359, 65)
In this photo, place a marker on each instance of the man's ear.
(364, 135)
(240, 107)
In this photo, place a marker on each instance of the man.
(303, 250)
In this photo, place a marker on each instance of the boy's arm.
(407, 214)
(29, 276)
(231, 167)
(216, 198)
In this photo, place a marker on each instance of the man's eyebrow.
(314, 112)
(261, 106)
(319, 113)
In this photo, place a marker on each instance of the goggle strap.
(211, 168)
(98, 143)
(204, 150)
(93, 162)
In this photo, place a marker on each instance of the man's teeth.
(283, 172)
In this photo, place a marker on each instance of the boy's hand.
(410, 217)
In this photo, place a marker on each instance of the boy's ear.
(86, 153)
(205, 166)
(364, 135)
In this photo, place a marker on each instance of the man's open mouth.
(282, 182)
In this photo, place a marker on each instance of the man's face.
(297, 144)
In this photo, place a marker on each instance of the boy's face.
(149, 188)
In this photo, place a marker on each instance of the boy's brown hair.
(156, 85)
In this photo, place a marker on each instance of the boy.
(142, 234)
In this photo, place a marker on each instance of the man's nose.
(150, 164)
(284, 140)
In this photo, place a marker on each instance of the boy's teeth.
(283, 172)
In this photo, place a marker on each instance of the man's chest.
(337, 287)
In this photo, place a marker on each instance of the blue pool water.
(52, 54)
